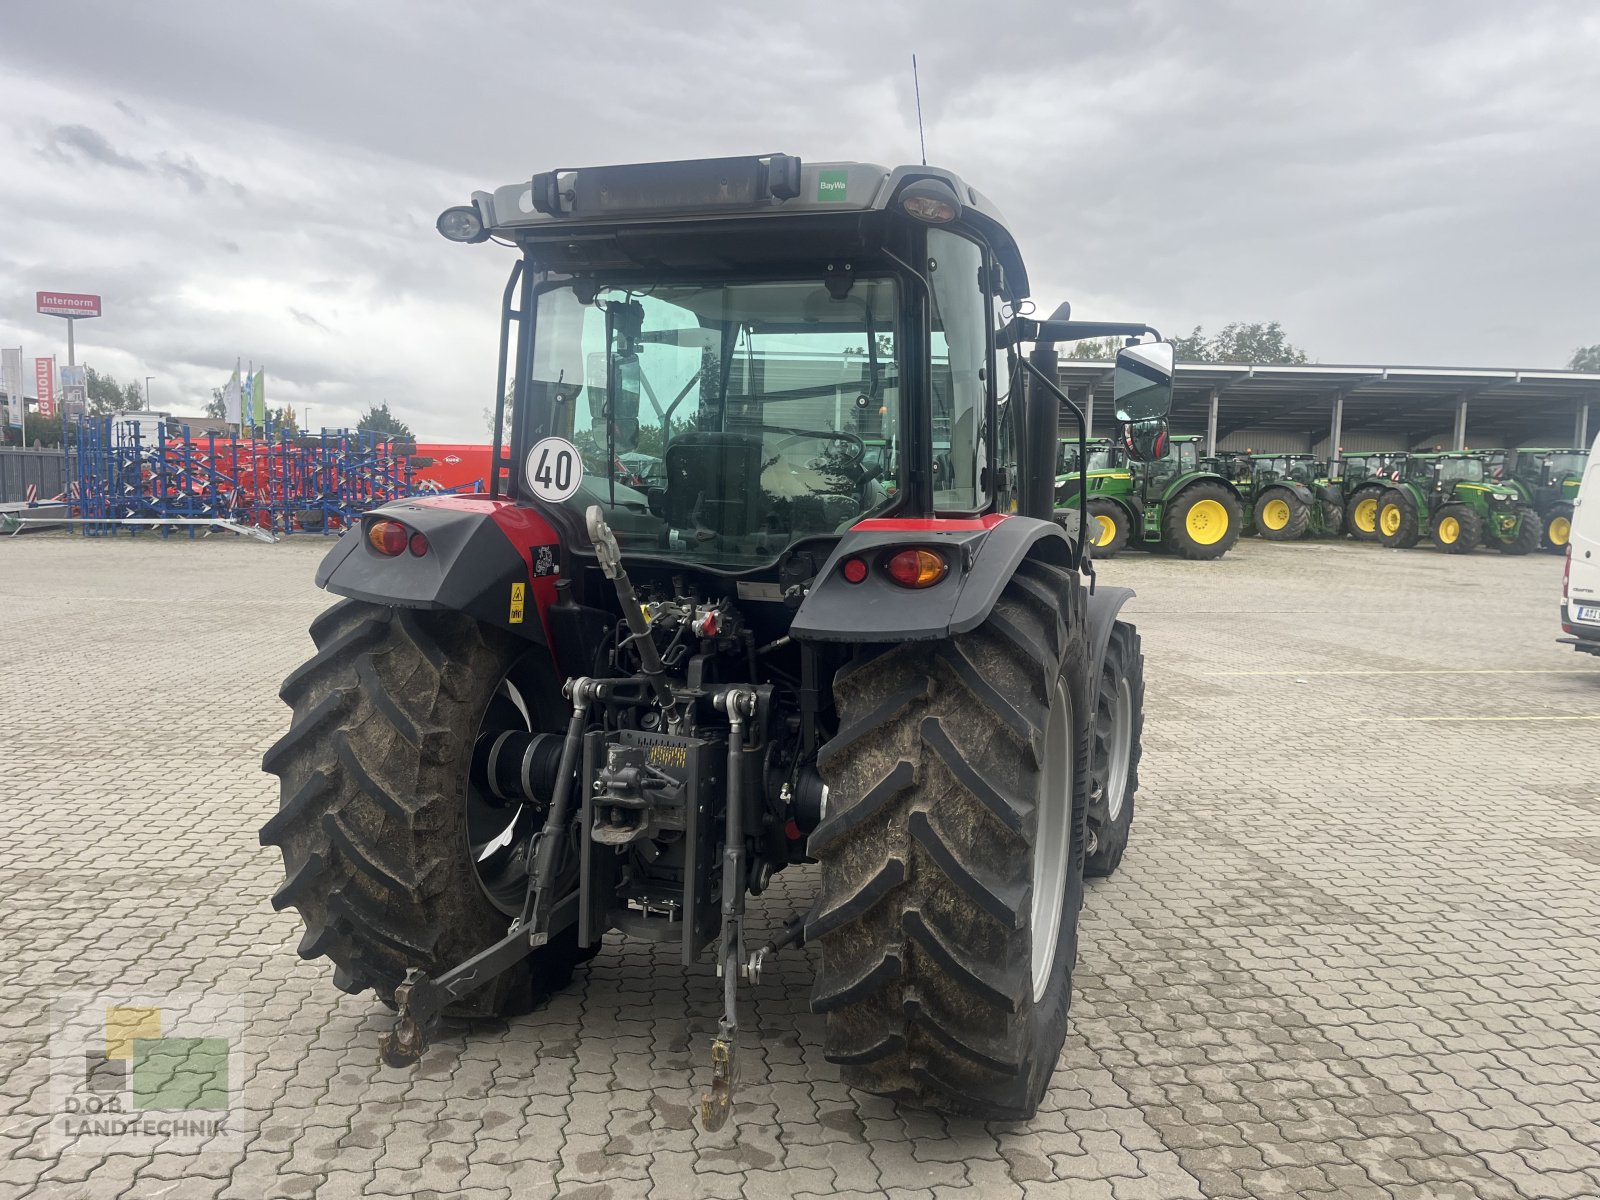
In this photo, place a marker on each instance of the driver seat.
(714, 483)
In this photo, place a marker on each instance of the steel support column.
(1088, 413)
(1461, 423)
(1336, 429)
(1211, 423)
(1580, 425)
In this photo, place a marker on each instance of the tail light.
(917, 568)
(418, 545)
(1566, 574)
(854, 570)
(389, 538)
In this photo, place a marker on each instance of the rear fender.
(1104, 605)
(1192, 477)
(983, 554)
(489, 559)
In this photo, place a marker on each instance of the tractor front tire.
(1530, 532)
(1202, 522)
(1108, 528)
(952, 858)
(1361, 514)
(1557, 529)
(1457, 529)
(372, 821)
(1399, 525)
(1117, 745)
(1281, 516)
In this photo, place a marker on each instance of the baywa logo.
(832, 185)
(130, 1072)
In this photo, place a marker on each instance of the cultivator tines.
(282, 482)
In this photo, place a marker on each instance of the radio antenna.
(917, 87)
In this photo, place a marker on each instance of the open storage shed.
(1319, 409)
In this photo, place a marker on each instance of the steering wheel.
(857, 447)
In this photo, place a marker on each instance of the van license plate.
(1588, 612)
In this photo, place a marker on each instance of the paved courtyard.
(1352, 950)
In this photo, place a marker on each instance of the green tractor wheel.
(1398, 522)
(1281, 516)
(1557, 529)
(1361, 515)
(1457, 529)
(1202, 522)
(1108, 528)
(1530, 531)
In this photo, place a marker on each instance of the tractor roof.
(570, 200)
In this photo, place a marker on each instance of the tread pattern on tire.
(371, 823)
(1471, 529)
(1174, 530)
(1124, 659)
(1362, 494)
(923, 913)
(1299, 516)
(1410, 530)
(1530, 533)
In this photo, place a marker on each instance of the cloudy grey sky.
(1401, 182)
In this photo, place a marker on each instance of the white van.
(1580, 586)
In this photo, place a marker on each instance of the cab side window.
(958, 371)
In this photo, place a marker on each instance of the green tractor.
(1362, 479)
(1451, 496)
(1291, 496)
(1169, 503)
(1547, 480)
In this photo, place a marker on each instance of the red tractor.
(768, 575)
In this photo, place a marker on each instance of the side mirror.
(1146, 441)
(1142, 393)
(625, 401)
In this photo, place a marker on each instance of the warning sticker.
(519, 597)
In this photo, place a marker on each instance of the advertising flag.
(11, 382)
(74, 391)
(44, 386)
(258, 397)
(233, 398)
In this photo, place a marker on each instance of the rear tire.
(959, 766)
(1557, 529)
(1361, 514)
(1202, 522)
(1108, 528)
(1115, 751)
(1398, 523)
(373, 817)
(1530, 532)
(1281, 516)
(1457, 530)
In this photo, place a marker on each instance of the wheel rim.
(1275, 514)
(1366, 515)
(1206, 522)
(499, 836)
(1560, 531)
(1449, 531)
(1053, 838)
(1104, 529)
(1390, 520)
(1121, 749)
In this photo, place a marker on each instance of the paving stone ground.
(1352, 950)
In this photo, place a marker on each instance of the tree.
(1585, 358)
(106, 395)
(284, 418)
(1240, 342)
(217, 407)
(378, 419)
(1096, 349)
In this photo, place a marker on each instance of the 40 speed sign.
(554, 469)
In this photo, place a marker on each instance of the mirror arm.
(1083, 457)
(1026, 329)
